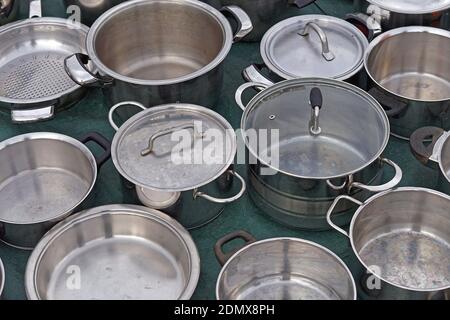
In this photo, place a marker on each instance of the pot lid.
(315, 128)
(412, 6)
(314, 46)
(172, 148)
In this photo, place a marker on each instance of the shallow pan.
(114, 252)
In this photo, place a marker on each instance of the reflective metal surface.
(44, 177)
(2, 277)
(401, 237)
(411, 82)
(285, 269)
(120, 253)
(90, 10)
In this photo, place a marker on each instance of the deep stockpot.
(193, 192)
(435, 154)
(90, 10)
(9, 10)
(401, 240)
(344, 156)
(377, 16)
(263, 13)
(157, 52)
(44, 178)
(281, 269)
(120, 252)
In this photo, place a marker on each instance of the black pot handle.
(417, 140)
(102, 142)
(223, 257)
(392, 106)
(301, 3)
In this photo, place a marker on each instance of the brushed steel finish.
(122, 253)
(285, 269)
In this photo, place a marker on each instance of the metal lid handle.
(326, 53)
(35, 9)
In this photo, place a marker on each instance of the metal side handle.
(245, 86)
(223, 257)
(331, 210)
(119, 105)
(426, 153)
(253, 74)
(76, 68)
(326, 52)
(198, 194)
(389, 185)
(244, 22)
(32, 115)
(35, 9)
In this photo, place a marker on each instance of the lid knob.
(316, 101)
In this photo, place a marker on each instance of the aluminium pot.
(311, 46)
(401, 240)
(263, 13)
(159, 51)
(180, 158)
(44, 177)
(377, 16)
(114, 252)
(281, 269)
(9, 10)
(409, 74)
(435, 154)
(90, 10)
(310, 140)
(33, 81)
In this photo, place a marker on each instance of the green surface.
(91, 115)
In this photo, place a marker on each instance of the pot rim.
(119, 209)
(395, 32)
(56, 137)
(370, 200)
(81, 28)
(438, 149)
(404, 11)
(108, 15)
(292, 239)
(161, 108)
(286, 83)
(2, 277)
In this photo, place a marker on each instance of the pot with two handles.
(311, 46)
(180, 158)
(159, 51)
(409, 74)
(376, 16)
(309, 141)
(401, 240)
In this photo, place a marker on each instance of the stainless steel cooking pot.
(156, 52)
(44, 177)
(311, 46)
(263, 13)
(8, 11)
(376, 16)
(2, 277)
(114, 252)
(402, 241)
(435, 154)
(90, 10)
(281, 269)
(33, 82)
(310, 140)
(409, 73)
(180, 157)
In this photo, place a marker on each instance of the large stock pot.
(310, 140)
(402, 241)
(409, 74)
(159, 51)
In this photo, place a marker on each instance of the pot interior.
(412, 65)
(403, 237)
(118, 256)
(159, 40)
(42, 178)
(285, 269)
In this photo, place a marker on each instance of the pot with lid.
(409, 74)
(310, 140)
(180, 158)
(311, 46)
(377, 16)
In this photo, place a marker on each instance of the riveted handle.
(326, 52)
(223, 257)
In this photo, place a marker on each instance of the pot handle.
(76, 68)
(394, 106)
(301, 3)
(253, 74)
(245, 86)
(244, 22)
(119, 105)
(102, 142)
(223, 257)
(326, 52)
(198, 194)
(35, 9)
(333, 206)
(424, 153)
(389, 185)
(367, 24)
(32, 115)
